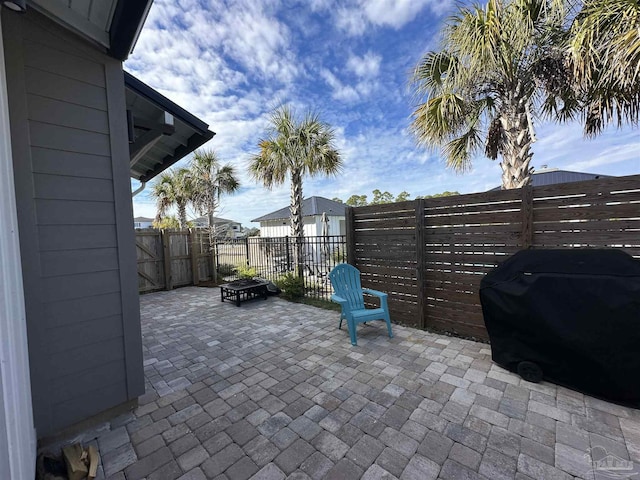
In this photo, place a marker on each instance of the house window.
(343, 227)
(137, 224)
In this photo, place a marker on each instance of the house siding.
(70, 154)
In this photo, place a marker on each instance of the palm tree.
(173, 189)
(497, 63)
(210, 180)
(295, 148)
(605, 55)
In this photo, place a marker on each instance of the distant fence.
(191, 260)
(172, 258)
(429, 255)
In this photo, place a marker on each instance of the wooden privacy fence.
(172, 258)
(431, 254)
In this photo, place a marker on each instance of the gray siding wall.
(71, 160)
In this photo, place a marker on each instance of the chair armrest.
(375, 293)
(335, 298)
(381, 295)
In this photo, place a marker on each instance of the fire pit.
(244, 289)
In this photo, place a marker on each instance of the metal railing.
(273, 257)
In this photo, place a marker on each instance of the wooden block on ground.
(73, 457)
(94, 459)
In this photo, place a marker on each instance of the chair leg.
(388, 320)
(352, 332)
(340, 324)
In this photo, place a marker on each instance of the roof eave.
(128, 18)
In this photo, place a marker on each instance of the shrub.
(226, 269)
(291, 285)
(246, 272)
(339, 256)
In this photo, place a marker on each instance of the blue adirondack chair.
(345, 280)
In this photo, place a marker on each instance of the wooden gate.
(172, 258)
(149, 253)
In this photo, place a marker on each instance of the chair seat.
(369, 313)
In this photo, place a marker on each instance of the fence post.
(193, 243)
(420, 265)
(526, 232)
(246, 249)
(350, 225)
(286, 242)
(166, 257)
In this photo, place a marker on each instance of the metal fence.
(273, 257)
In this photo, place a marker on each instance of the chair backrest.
(345, 280)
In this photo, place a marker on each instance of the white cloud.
(366, 66)
(354, 17)
(345, 93)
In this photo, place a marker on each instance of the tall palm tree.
(497, 65)
(173, 189)
(605, 55)
(210, 180)
(295, 148)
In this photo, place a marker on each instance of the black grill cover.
(575, 313)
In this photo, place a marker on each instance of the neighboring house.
(224, 228)
(278, 224)
(550, 176)
(142, 222)
(73, 129)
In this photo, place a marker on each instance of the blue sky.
(231, 62)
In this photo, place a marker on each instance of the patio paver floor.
(273, 390)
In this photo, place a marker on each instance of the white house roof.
(310, 206)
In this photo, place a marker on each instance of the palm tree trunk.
(211, 230)
(297, 226)
(182, 216)
(516, 172)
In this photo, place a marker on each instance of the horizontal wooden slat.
(476, 219)
(510, 228)
(64, 389)
(56, 112)
(71, 212)
(71, 164)
(472, 198)
(57, 137)
(621, 212)
(55, 86)
(509, 237)
(591, 238)
(71, 237)
(385, 207)
(387, 223)
(588, 225)
(42, 57)
(87, 332)
(466, 209)
(85, 308)
(80, 285)
(69, 262)
(60, 187)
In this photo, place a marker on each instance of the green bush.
(339, 256)
(247, 272)
(226, 269)
(291, 285)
